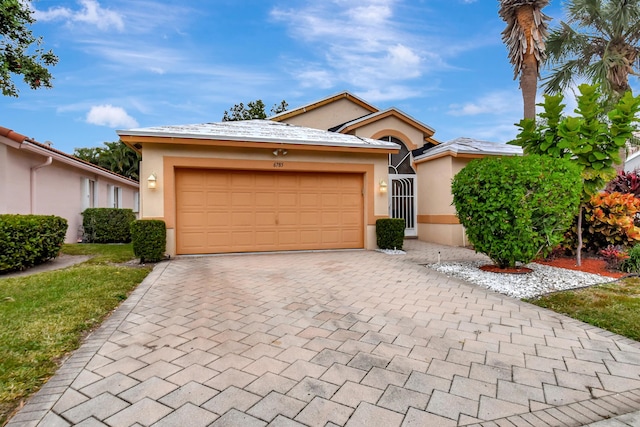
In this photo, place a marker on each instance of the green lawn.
(614, 307)
(44, 316)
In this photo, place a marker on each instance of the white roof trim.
(265, 131)
(471, 146)
(379, 113)
(345, 94)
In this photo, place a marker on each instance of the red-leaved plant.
(614, 255)
(626, 183)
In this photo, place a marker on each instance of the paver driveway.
(351, 338)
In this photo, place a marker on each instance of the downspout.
(33, 182)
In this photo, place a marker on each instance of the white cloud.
(360, 45)
(90, 13)
(108, 115)
(495, 103)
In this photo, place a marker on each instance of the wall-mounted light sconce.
(280, 152)
(383, 186)
(152, 182)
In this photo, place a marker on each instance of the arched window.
(399, 163)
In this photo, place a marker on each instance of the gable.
(327, 113)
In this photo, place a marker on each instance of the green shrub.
(632, 263)
(149, 239)
(107, 225)
(28, 240)
(390, 233)
(516, 208)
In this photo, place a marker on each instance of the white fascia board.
(366, 143)
(77, 164)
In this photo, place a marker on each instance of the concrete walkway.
(345, 338)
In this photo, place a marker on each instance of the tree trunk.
(579, 233)
(529, 72)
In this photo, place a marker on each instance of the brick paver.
(344, 338)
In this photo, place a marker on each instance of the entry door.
(402, 201)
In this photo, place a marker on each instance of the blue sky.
(126, 64)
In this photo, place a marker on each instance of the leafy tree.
(589, 140)
(114, 156)
(516, 208)
(253, 110)
(525, 39)
(599, 42)
(15, 40)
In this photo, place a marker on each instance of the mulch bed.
(589, 265)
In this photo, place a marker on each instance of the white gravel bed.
(391, 251)
(543, 280)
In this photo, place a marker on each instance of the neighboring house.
(38, 179)
(315, 177)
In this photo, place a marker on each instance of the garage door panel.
(239, 211)
(331, 237)
(265, 218)
(217, 198)
(242, 199)
(267, 199)
(266, 238)
(219, 239)
(243, 219)
(217, 219)
(193, 198)
(330, 200)
(309, 218)
(287, 199)
(309, 200)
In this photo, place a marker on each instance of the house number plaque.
(278, 164)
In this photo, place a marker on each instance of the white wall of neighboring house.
(30, 183)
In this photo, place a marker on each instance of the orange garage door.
(236, 211)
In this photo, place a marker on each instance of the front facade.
(259, 185)
(37, 179)
(315, 177)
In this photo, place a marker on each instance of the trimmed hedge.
(149, 239)
(390, 233)
(107, 225)
(517, 208)
(28, 240)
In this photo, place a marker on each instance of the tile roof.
(471, 146)
(260, 131)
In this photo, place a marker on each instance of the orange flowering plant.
(611, 219)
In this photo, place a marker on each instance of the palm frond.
(559, 79)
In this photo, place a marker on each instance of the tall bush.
(390, 233)
(107, 225)
(149, 239)
(28, 240)
(592, 139)
(516, 208)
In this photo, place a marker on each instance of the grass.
(44, 316)
(112, 253)
(614, 307)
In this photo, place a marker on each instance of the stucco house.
(37, 179)
(315, 177)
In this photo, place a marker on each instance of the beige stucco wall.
(160, 159)
(330, 115)
(436, 214)
(58, 188)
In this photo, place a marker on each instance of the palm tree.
(602, 46)
(525, 39)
